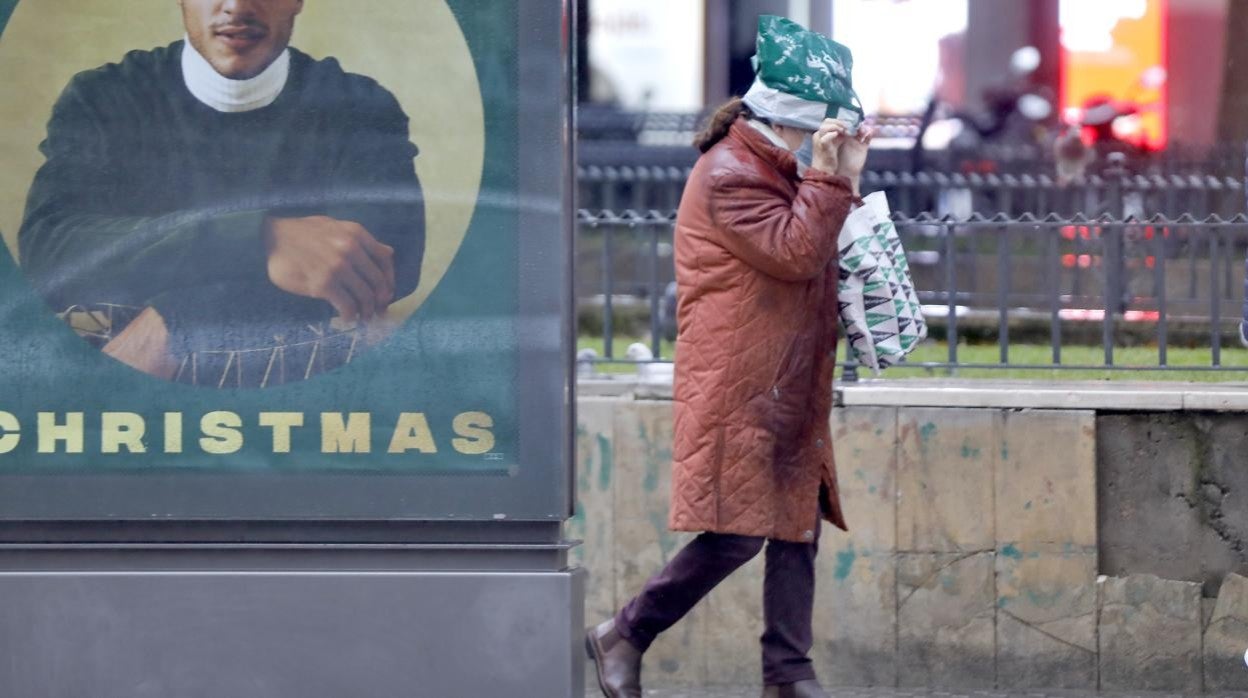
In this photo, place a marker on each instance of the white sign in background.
(647, 55)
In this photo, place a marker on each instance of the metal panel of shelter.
(285, 348)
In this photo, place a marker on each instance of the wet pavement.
(754, 691)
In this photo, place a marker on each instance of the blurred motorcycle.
(1015, 112)
(1104, 125)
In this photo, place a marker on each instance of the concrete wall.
(973, 559)
(1181, 478)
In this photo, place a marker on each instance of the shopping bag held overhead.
(802, 77)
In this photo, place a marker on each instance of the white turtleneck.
(226, 95)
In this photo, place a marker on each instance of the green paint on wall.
(1011, 551)
(844, 563)
(585, 469)
(1044, 600)
(927, 431)
(606, 462)
(969, 451)
(657, 455)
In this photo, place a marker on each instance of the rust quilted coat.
(757, 274)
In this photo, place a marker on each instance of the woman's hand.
(826, 144)
(852, 156)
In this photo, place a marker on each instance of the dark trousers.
(788, 597)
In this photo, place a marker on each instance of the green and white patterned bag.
(802, 77)
(878, 304)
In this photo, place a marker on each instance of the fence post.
(1004, 271)
(656, 344)
(849, 374)
(1215, 298)
(608, 293)
(1053, 253)
(951, 295)
(1114, 252)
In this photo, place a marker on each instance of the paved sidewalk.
(754, 691)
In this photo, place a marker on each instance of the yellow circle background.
(414, 49)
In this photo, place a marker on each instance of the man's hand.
(144, 345)
(825, 145)
(336, 261)
(852, 156)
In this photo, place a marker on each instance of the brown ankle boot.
(617, 661)
(809, 688)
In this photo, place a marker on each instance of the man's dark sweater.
(149, 197)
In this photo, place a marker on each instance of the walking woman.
(756, 265)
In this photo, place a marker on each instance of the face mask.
(805, 153)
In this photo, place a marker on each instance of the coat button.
(819, 443)
(808, 535)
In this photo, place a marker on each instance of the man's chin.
(239, 68)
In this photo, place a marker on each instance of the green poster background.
(457, 353)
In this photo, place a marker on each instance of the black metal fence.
(640, 161)
(1146, 250)
(1109, 281)
(625, 260)
(658, 188)
(1120, 195)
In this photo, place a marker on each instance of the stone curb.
(1089, 395)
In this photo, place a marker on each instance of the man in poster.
(231, 188)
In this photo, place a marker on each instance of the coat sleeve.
(373, 182)
(376, 186)
(791, 240)
(79, 244)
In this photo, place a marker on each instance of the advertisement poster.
(263, 260)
